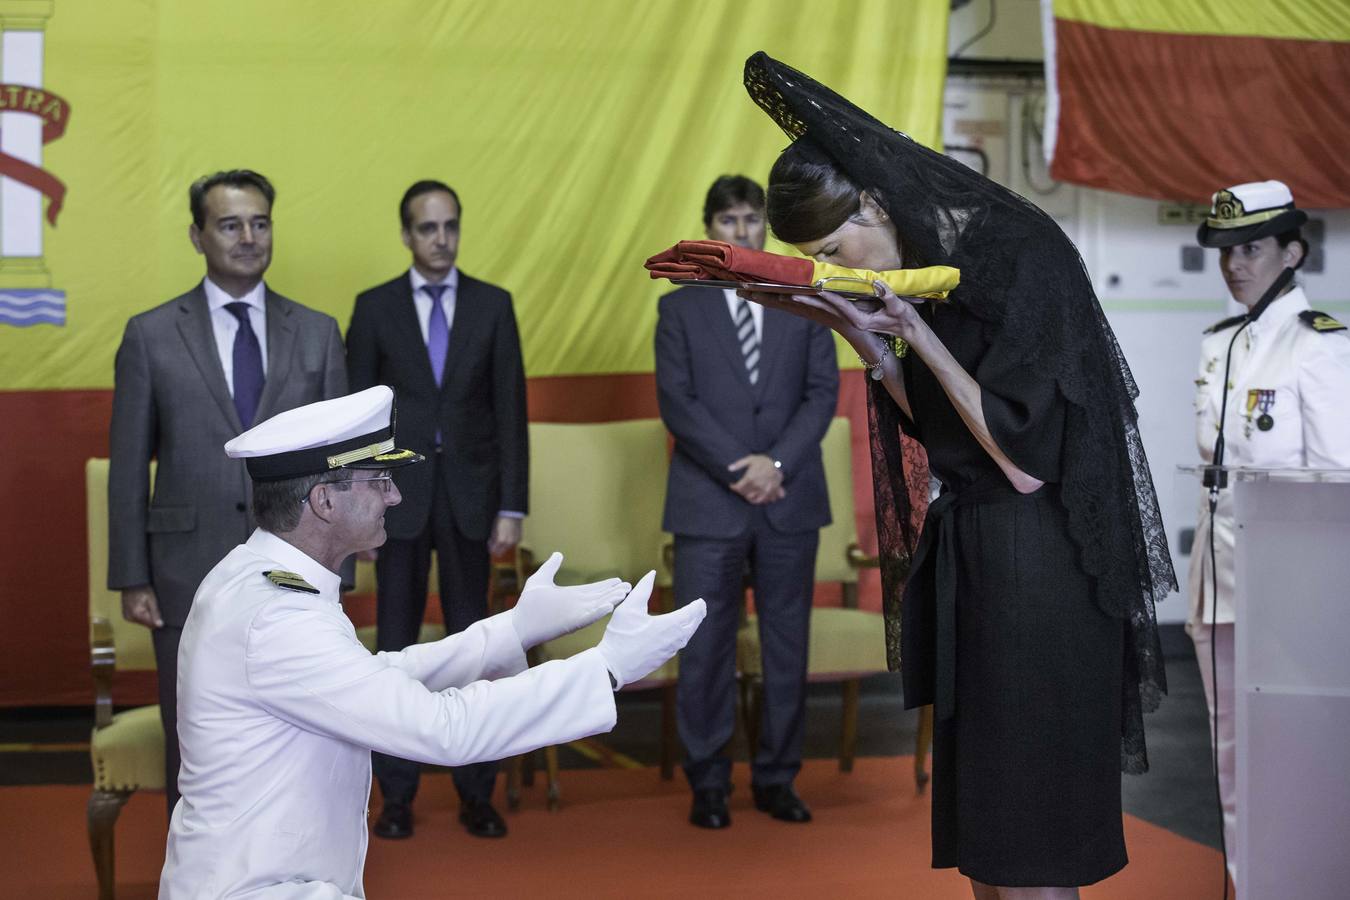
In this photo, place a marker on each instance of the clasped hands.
(635, 642)
(761, 481)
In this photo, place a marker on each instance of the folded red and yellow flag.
(718, 261)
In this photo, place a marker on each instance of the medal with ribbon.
(1265, 401)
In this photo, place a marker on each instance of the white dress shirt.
(279, 706)
(422, 300)
(225, 326)
(1302, 376)
(756, 312)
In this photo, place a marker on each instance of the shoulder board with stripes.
(1320, 321)
(1226, 323)
(290, 581)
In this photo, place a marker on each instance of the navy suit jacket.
(717, 416)
(479, 406)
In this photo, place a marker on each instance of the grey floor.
(1176, 794)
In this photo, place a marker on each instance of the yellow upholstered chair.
(126, 748)
(846, 643)
(596, 496)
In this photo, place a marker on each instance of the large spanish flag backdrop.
(1175, 100)
(580, 134)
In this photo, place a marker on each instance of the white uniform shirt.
(1300, 379)
(279, 707)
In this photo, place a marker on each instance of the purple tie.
(248, 370)
(438, 330)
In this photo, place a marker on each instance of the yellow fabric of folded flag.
(932, 283)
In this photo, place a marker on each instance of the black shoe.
(481, 820)
(710, 809)
(781, 802)
(395, 822)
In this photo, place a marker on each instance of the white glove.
(636, 643)
(546, 611)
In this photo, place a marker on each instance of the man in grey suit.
(748, 394)
(191, 374)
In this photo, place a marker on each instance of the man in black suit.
(748, 394)
(191, 374)
(448, 346)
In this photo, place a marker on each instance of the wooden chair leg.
(528, 762)
(554, 788)
(848, 735)
(670, 738)
(754, 699)
(104, 808)
(923, 740)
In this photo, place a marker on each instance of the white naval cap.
(354, 432)
(1247, 212)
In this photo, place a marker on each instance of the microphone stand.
(1216, 479)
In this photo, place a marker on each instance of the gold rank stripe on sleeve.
(1320, 321)
(290, 581)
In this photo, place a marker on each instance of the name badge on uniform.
(1264, 400)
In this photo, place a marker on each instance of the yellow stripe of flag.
(1309, 20)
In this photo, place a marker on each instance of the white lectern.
(1292, 681)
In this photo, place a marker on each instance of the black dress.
(1000, 629)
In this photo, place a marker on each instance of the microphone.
(1215, 478)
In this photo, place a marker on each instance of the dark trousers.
(401, 570)
(165, 641)
(783, 575)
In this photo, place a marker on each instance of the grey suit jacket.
(717, 416)
(171, 402)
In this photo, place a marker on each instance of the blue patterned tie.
(749, 341)
(248, 370)
(438, 330)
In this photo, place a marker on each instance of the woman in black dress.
(1027, 615)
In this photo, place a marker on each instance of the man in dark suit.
(748, 394)
(448, 346)
(190, 375)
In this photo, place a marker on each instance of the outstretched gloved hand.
(636, 643)
(546, 611)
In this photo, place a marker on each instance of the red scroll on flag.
(55, 113)
(1174, 101)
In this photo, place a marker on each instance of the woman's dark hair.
(1285, 238)
(276, 504)
(809, 196)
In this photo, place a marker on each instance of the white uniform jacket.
(279, 707)
(1299, 378)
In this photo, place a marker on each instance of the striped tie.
(745, 333)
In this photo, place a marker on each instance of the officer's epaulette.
(290, 581)
(1320, 321)
(1226, 323)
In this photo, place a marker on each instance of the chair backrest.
(596, 495)
(832, 563)
(132, 647)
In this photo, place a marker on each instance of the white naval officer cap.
(1249, 212)
(352, 432)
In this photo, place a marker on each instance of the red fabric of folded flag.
(746, 264)
(725, 262)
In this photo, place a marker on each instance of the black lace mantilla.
(1024, 281)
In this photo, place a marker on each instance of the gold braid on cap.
(1230, 213)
